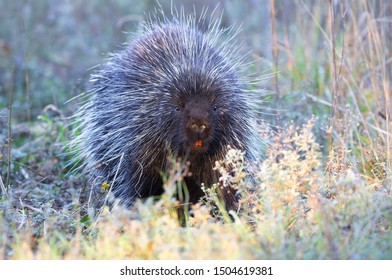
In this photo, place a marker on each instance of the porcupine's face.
(198, 115)
(197, 118)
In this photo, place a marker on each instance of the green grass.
(323, 189)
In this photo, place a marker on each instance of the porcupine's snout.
(198, 128)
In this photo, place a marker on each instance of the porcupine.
(177, 89)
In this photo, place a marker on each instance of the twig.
(10, 129)
(3, 188)
(335, 72)
(27, 81)
(275, 54)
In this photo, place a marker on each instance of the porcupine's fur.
(173, 85)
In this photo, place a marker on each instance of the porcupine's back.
(174, 90)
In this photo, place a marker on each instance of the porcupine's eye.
(177, 108)
(215, 108)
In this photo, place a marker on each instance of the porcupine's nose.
(198, 120)
(198, 128)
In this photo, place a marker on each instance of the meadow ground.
(324, 186)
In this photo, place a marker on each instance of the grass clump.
(293, 213)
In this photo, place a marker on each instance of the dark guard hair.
(176, 90)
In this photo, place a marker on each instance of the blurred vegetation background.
(48, 48)
(326, 61)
